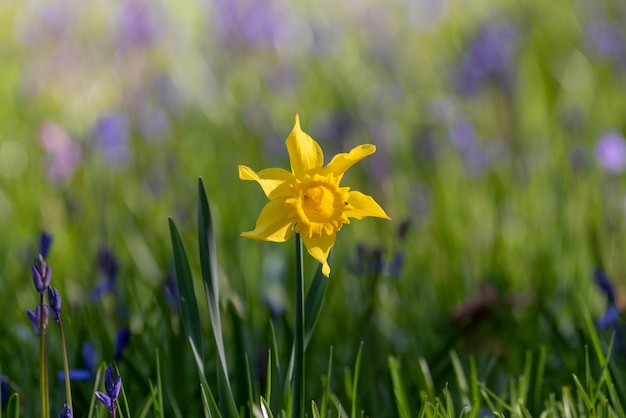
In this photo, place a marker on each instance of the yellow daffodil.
(309, 197)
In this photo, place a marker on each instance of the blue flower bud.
(41, 274)
(34, 318)
(54, 300)
(66, 412)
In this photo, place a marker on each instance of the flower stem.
(298, 376)
(66, 368)
(43, 363)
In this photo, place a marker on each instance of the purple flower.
(121, 342)
(66, 412)
(45, 240)
(604, 283)
(35, 317)
(65, 155)
(42, 274)
(109, 268)
(4, 391)
(135, 24)
(112, 387)
(111, 137)
(606, 39)
(488, 58)
(54, 301)
(89, 359)
(611, 152)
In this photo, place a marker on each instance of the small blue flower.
(4, 391)
(108, 267)
(41, 274)
(604, 283)
(34, 318)
(112, 386)
(45, 240)
(89, 359)
(121, 342)
(66, 412)
(54, 301)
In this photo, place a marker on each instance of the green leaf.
(326, 396)
(188, 303)
(208, 400)
(357, 368)
(398, 389)
(208, 263)
(313, 303)
(13, 407)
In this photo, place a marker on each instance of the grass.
(476, 299)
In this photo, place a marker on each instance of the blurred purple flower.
(4, 391)
(45, 240)
(259, 23)
(463, 136)
(488, 58)
(604, 283)
(170, 289)
(64, 154)
(611, 152)
(108, 269)
(89, 360)
(135, 24)
(121, 342)
(111, 137)
(606, 39)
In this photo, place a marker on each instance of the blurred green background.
(500, 157)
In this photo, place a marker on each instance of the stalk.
(298, 375)
(66, 368)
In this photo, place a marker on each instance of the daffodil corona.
(309, 199)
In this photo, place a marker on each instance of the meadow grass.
(495, 289)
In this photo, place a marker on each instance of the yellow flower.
(309, 196)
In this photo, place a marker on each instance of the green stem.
(298, 375)
(66, 368)
(43, 363)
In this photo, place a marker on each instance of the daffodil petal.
(342, 162)
(304, 153)
(273, 181)
(319, 249)
(364, 205)
(273, 224)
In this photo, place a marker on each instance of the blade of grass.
(402, 404)
(13, 407)
(357, 368)
(326, 395)
(460, 377)
(208, 264)
(210, 406)
(188, 302)
(159, 404)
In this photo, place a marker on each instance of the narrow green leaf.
(460, 377)
(299, 332)
(398, 389)
(96, 382)
(357, 368)
(268, 382)
(149, 402)
(159, 404)
(188, 303)
(13, 407)
(208, 263)
(313, 303)
(314, 410)
(326, 395)
(208, 400)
